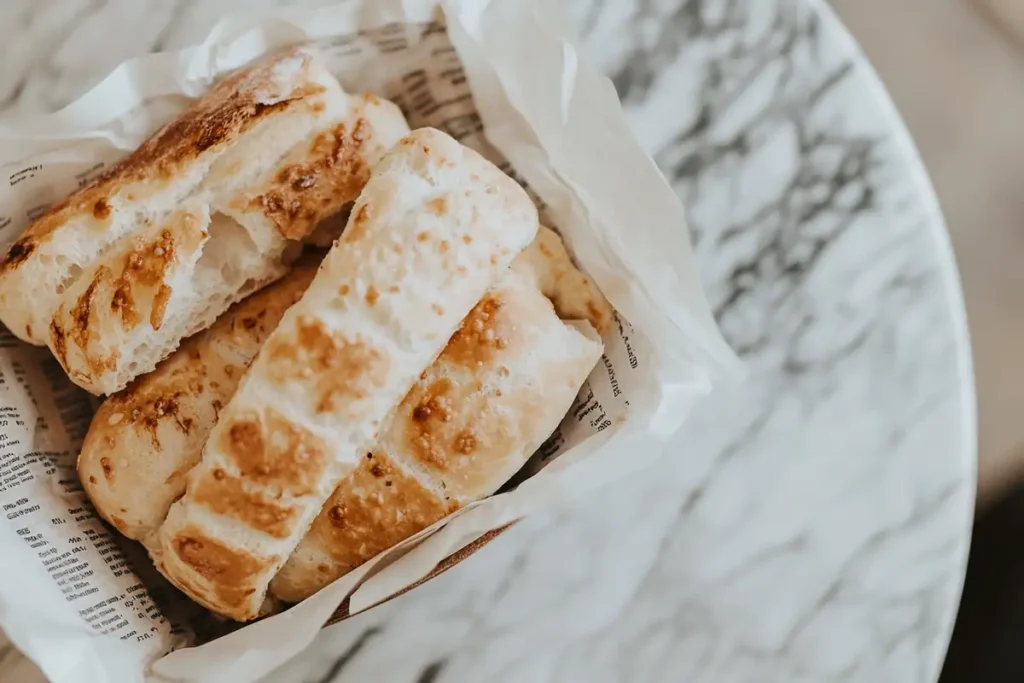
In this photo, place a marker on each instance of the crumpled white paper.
(559, 125)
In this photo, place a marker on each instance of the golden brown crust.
(227, 495)
(483, 333)
(334, 172)
(223, 567)
(274, 452)
(145, 264)
(129, 288)
(347, 370)
(374, 508)
(227, 110)
(435, 424)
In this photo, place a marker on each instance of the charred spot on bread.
(101, 209)
(108, 468)
(336, 515)
(18, 253)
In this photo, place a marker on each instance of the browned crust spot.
(145, 408)
(82, 310)
(275, 453)
(369, 513)
(344, 370)
(108, 468)
(156, 316)
(432, 410)
(227, 569)
(101, 209)
(57, 340)
(438, 206)
(483, 332)
(371, 296)
(465, 442)
(335, 173)
(226, 495)
(146, 265)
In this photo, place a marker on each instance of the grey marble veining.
(813, 524)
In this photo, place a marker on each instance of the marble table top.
(814, 523)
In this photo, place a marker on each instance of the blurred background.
(956, 71)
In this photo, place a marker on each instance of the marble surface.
(967, 126)
(813, 525)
